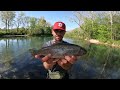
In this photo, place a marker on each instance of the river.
(16, 61)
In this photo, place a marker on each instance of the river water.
(16, 61)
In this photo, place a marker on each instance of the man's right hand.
(48, 62)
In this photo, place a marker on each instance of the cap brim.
(59, 29)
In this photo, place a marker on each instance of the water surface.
(14, 56)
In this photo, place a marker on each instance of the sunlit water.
(101, 59)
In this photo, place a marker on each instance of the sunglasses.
(59, 31)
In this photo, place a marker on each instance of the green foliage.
(101, 54)
(102, 33)
(7, 18)
(103, 26)
(74, 33)
(30, 25)
(94, 26)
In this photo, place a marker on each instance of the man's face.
(58, 34)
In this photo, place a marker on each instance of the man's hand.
(48, 62)
(67, 62)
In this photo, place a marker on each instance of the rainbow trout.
(60, 50)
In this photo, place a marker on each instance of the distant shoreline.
(94, 41)
(7, 36)
(102, 43)
(13, 36)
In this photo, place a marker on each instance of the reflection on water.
(14, 57)
(16, 46)
(11, 48)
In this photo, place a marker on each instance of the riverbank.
(94, 41)
(7, 36)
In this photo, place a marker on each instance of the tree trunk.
(6, 25)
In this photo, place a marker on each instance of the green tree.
(7, 18)
(18, 21)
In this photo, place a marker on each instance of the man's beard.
(58, 38)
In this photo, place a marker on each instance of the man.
(58, 69)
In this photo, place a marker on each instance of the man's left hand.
(67, 62)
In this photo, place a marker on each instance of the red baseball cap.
(60, 26)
